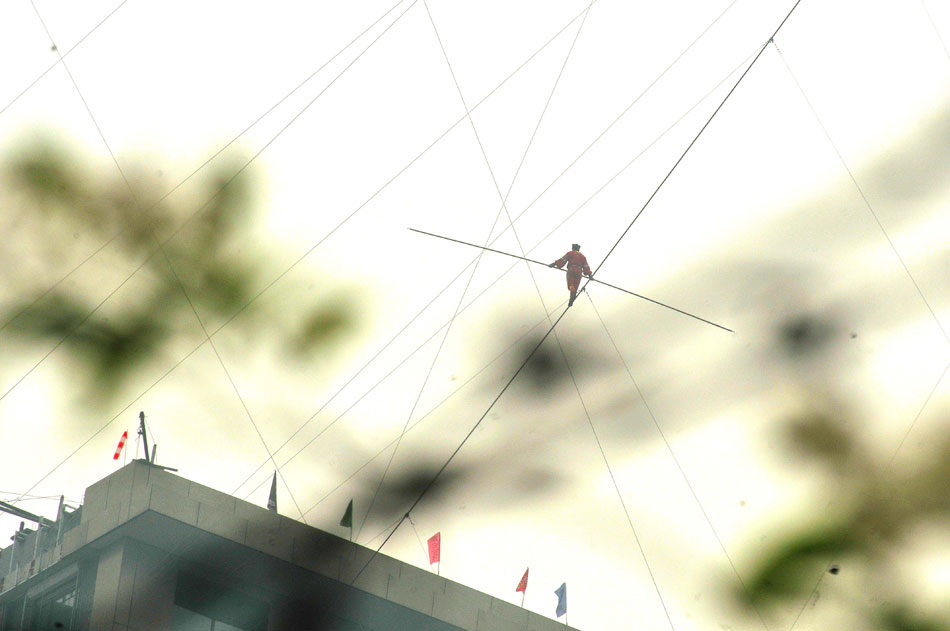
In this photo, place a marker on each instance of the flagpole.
(589, 280)
(522, 598)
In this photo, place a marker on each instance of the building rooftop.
(242, 542)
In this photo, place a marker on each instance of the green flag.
(347, 520)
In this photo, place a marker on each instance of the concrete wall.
(134, 589)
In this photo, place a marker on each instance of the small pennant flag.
(435, 548)
(523, 584)
(118, 450)
(272, 500)
(347, 520)
(561, 599)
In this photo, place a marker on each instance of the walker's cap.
(575, 246)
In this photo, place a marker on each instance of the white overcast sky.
(759, 224)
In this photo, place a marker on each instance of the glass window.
(217, 607)
(184, 620)
(10, 615)
(54, 609)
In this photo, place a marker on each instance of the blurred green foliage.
(880, 503)
(185, 263)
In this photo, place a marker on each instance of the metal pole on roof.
(60, 518)
(16, 540)
(23, 514)
(142, 434)
(36, 542)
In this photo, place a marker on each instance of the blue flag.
(561, 599)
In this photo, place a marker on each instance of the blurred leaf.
(900, 618)
(228, 207)
(109, 349)
(322, 325)
(805, 334)
(879, 504)
(43, 173)
(225, 287)
(210, 261)
(790, 571)
(821, 436)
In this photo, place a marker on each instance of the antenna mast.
(142, 434)
(151, 460)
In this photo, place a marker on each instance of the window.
(185, 620)
(205, 606)
(10, 615)
(55, 609)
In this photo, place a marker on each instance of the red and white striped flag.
(118, 449)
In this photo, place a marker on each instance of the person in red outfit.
(576, 265)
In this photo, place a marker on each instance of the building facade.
(152, 551)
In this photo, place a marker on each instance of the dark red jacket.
(575, 260)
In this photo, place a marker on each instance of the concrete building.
(151, 551)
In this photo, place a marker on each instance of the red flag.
(435, 547)
(118, 450)
(523, 585)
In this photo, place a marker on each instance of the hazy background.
(760, 228)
